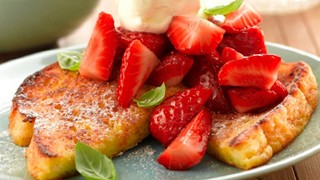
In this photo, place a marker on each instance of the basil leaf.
(223, 9)
(152, 98)
(92, 164)
(70, 60)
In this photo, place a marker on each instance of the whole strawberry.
(175, 113)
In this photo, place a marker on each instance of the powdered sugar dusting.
(67, 108)
(143, 159)
(11, 156)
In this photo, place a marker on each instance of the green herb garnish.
(152, 98)
(70, 60)
(92, 164)
(204, 12)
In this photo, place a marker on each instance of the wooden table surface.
(299, 30)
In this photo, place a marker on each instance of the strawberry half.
(258, 71)
(251, 99)
(280, 89)
(229, 54)
(247, 42)
(157, 43)
(100, 53)
(189, 147)
(171, 70)
(137, 64)
(193, 35)
(176, 112)
(243, 18)
(204, 72)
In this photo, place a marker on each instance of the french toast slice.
(249, 140)
(54, 108)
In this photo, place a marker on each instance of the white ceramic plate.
(140, 163)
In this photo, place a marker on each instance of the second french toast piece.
(53, 109)
(250, 140)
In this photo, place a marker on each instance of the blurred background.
(60, 23)
(28, 26)
(282, 6)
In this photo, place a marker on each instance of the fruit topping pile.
(224, 65)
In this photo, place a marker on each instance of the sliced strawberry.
(280, 89)
(116, 64)
(189, 147)
(193, 35)
(247, 42)
(205, 72)
(176, 112)
(157, 43)
(251, 99)
(258, 71)
(171, 69)
(243, 18)
(137, 64)
(218, 102)
(229, 54)
(100, 53)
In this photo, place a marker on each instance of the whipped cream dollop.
(153, 15)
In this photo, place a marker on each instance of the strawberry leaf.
(152, 98)
(70, 60)
(223, 9)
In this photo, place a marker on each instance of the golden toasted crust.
(250, 140)
(53, 109)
